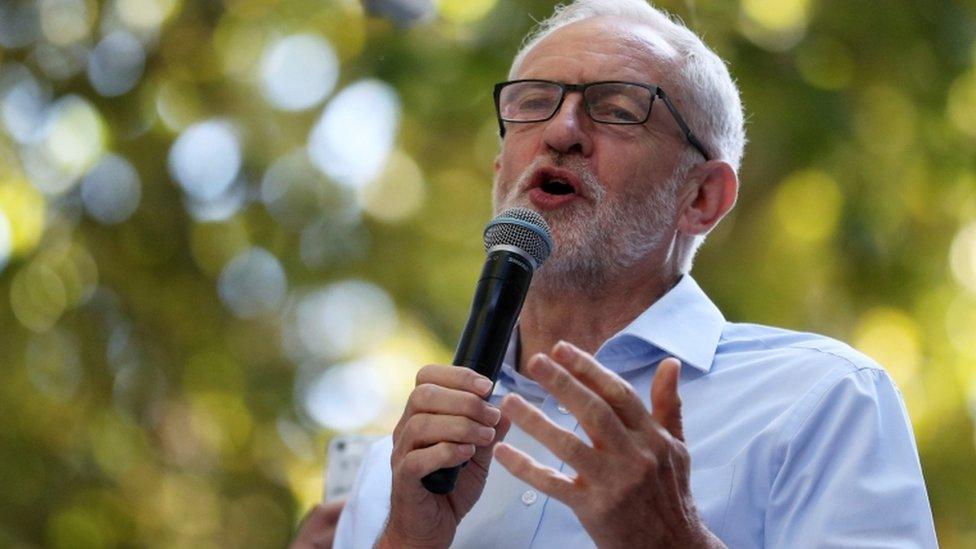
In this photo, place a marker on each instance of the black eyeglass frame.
(656, 91)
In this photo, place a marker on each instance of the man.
(760, 438)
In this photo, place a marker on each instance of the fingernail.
(486, 434)
(563, 349)
(542, 358)
(494, 415)
(466, 449)
(483, 385)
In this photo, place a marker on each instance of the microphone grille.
(522, 228)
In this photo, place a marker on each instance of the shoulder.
(798, 374)
(790, 351)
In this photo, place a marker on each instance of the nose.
(568, 131)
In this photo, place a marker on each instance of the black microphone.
(517, 242)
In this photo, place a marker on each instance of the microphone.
(518, 242)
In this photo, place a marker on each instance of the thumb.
(665, 402)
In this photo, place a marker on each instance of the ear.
(709, 194)
(498, 163)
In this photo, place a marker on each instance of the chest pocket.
(712, 490)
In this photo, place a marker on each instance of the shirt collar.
(683, 323)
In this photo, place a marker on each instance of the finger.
(318, 526)
(435, 399)
(545, 479)
(449, 390)
(564, 444)
(455, 377)
(482, 456)
(331, 511)
(420, 463)
(612, 388)
(423, 430)
(664, 397)
(596, 417)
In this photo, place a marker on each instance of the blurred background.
(230, 229)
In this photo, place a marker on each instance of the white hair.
(702, 84)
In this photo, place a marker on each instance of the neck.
(584, 317)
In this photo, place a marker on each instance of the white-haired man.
(783, 439)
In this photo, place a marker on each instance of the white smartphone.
(344, 457)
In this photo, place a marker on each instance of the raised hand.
(632, 486)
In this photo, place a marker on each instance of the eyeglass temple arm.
(681, 124)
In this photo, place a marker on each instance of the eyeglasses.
(627, 103)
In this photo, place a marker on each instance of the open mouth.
(556, 187)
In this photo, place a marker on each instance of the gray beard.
(598, 238)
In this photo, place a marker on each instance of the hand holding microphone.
(447, 421)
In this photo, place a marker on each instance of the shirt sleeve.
(850, 474)
(368, 506)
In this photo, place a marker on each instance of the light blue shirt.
(796, 440)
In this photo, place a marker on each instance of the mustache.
(591, 185)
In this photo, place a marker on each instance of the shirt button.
(562, 409)
(529, 497)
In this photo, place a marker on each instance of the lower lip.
(546, 201)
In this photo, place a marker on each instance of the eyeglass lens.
(610, 102)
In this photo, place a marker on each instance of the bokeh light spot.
(239, 45)
(24, 207)
(960, 324)
(464, 11)
(253, 284)
(961, 101)
(116, 64)
(347, 396)
(111, 190)
(6, 240)
(296, 193)
(205, 159)
(221, 207)
(74, 140)
(19, 23)
(177, 104)
(67, 21)
(962, 257)
(145, 14)
(891, 337)
(117, 444)
(62, 62)
(397, 193)
(774, 24)
(354, 136)
(808, 205)
(23, 101)
(37, 297)
(298, 72)
(340, 320)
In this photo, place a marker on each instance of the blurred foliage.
(230, 229)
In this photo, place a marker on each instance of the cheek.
(512, 162)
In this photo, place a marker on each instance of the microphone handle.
(497, 302)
